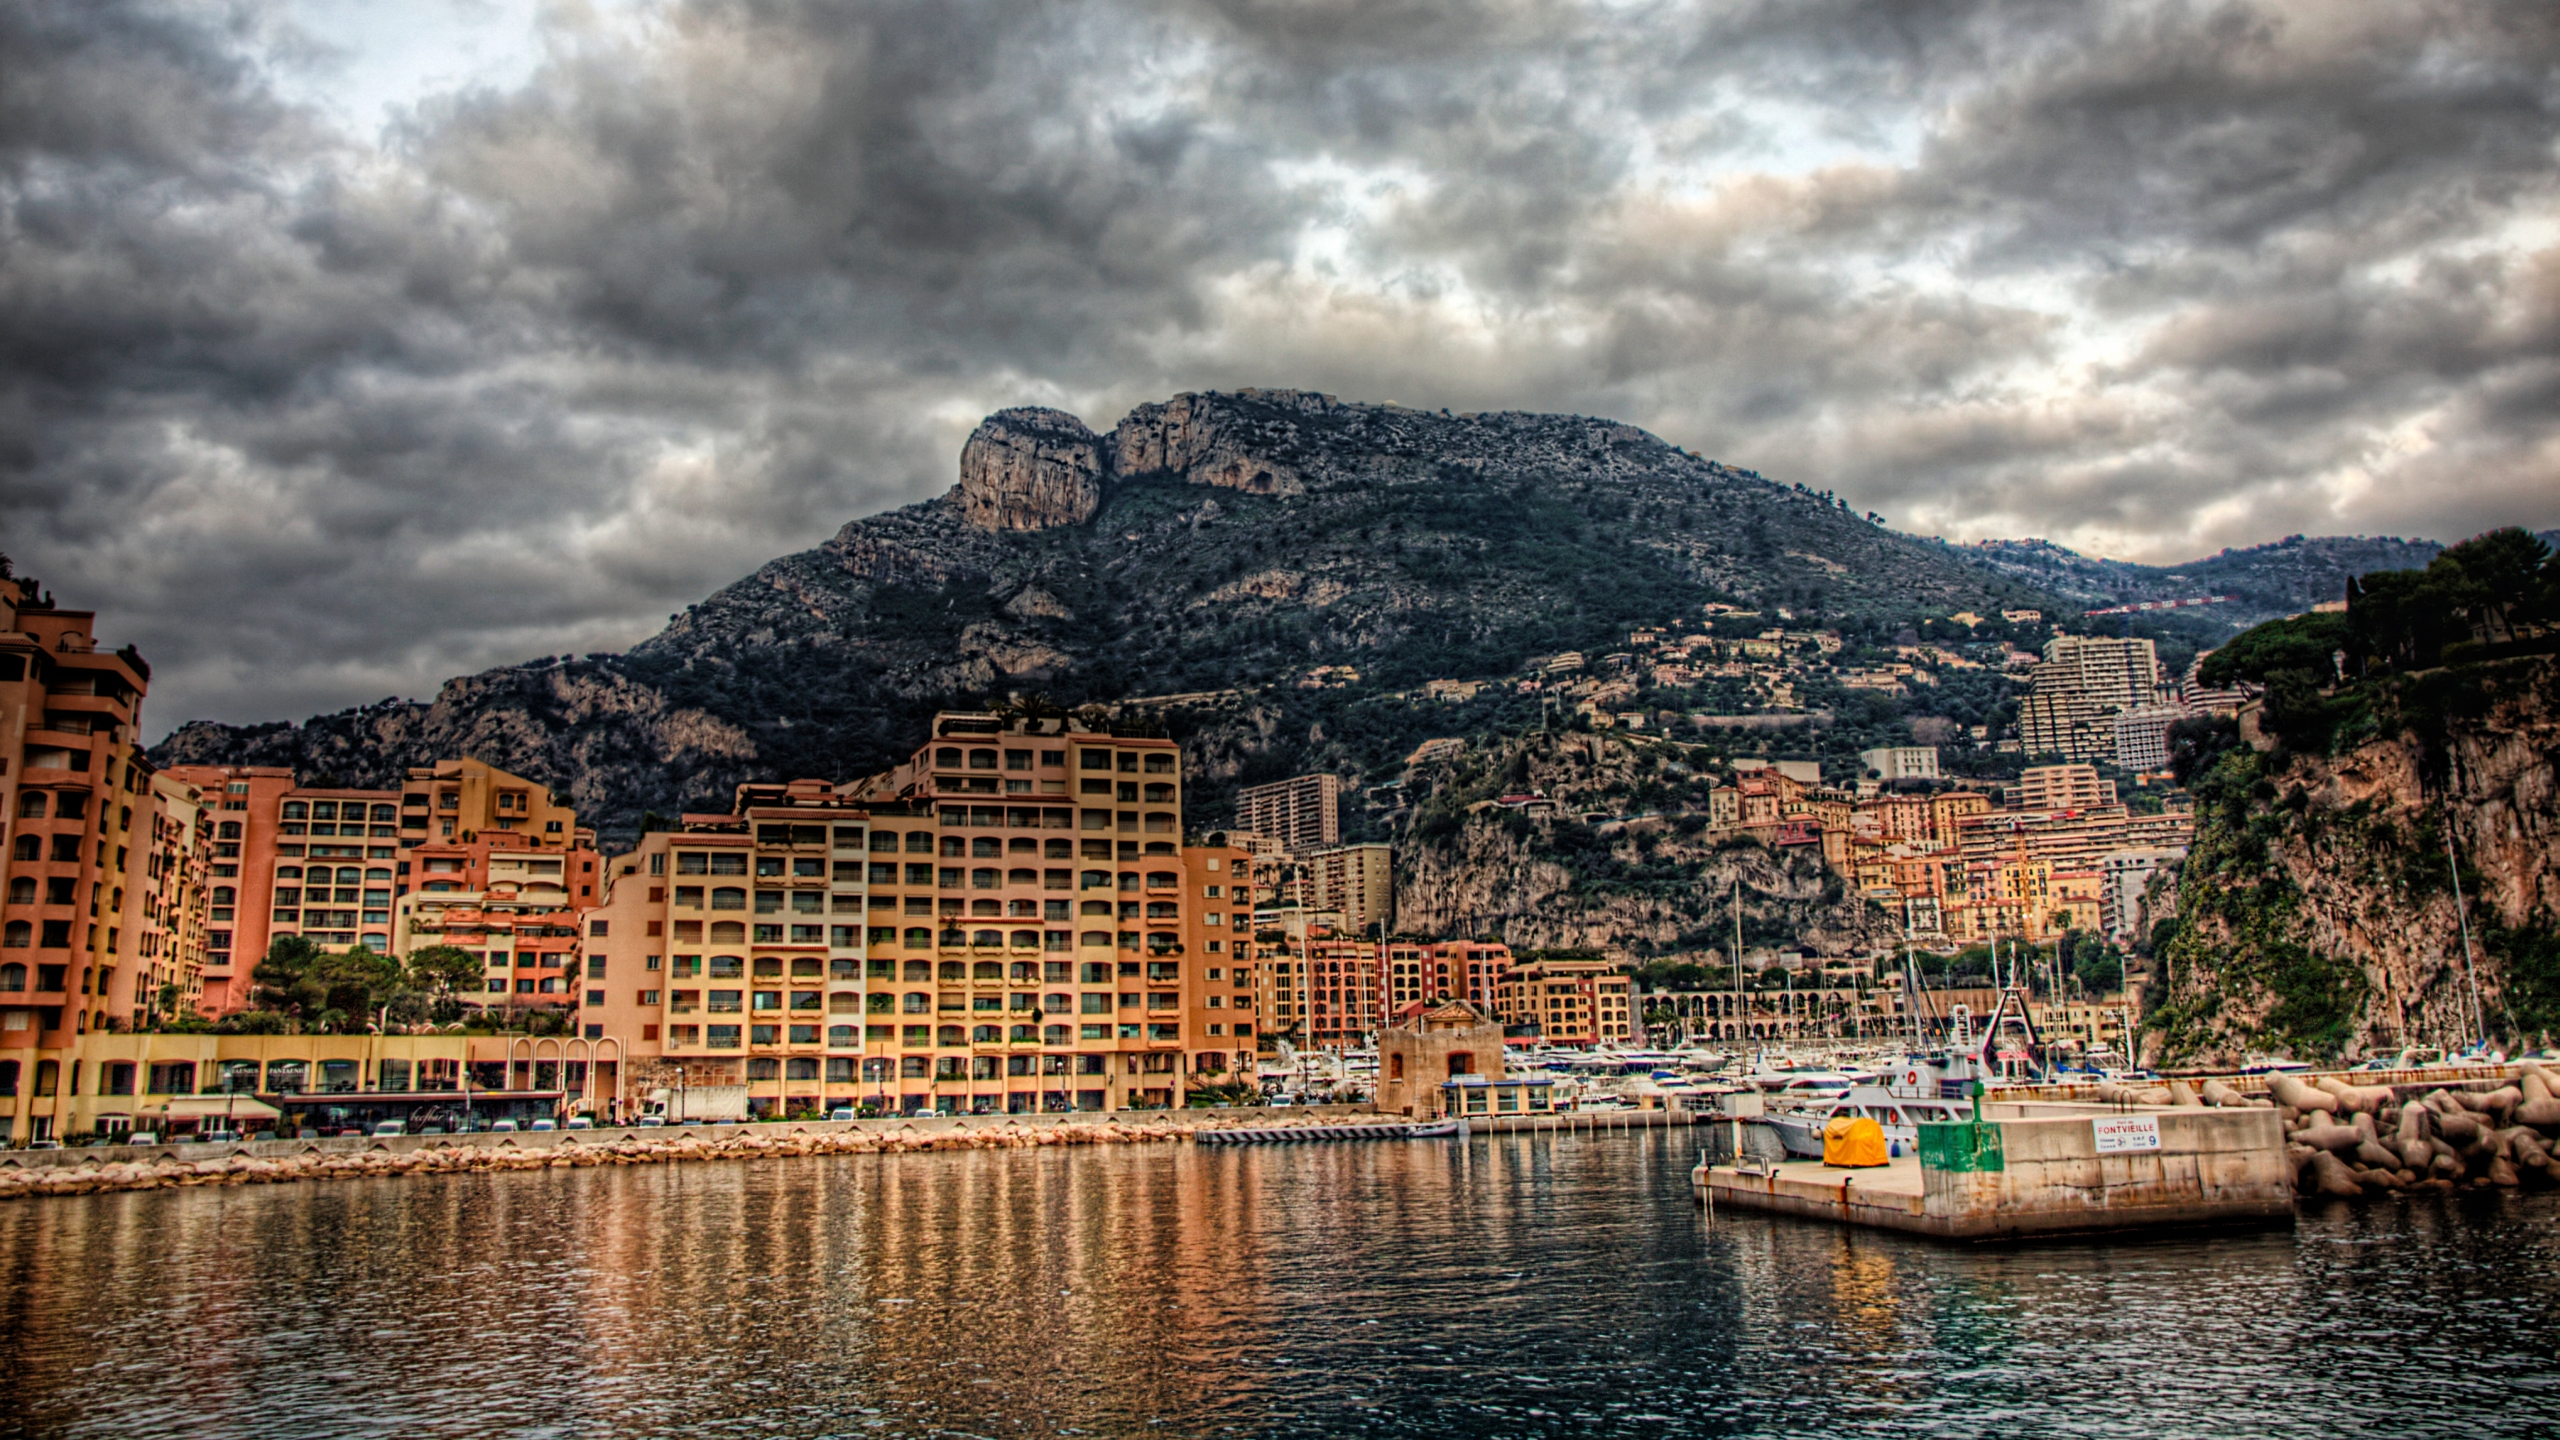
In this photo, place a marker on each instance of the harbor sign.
(2117, 1134)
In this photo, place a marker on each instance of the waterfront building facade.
(1008, 922)
(77, 811)
(330, 864)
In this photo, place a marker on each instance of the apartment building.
(2124, 898)
(1417, 973)
(2109, 673)
(1567, 1002)
(1006, 923)
(73, 792)
(2081, 685)
(173, 900)
(290, 860)
(2061, 787)
(1303, 813)
(2142, 736)
(1354, 883)
(328, 863)
(1328, 991)
(729, 952)
(511, 901)
(1901, 762)
(77, 882)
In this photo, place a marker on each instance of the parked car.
(390, 1127)
(651, 1122)
(44, 1144)
(544, 1123)
(580, 1122)
(841, 1112)
(143, 1137)
(218, 1137)
(504, 1127)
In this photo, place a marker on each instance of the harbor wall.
(2212, 1167)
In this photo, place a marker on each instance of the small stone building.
(1427, 1046)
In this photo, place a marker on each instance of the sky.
(348, 345)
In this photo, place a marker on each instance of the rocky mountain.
(1269, 576)
(1211, 543)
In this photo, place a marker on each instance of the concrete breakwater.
(2346, 1140)
(2475, 1126)
(117, 1168)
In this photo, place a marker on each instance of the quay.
(100, 1168)
(2037, 1168)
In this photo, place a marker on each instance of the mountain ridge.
(1207, 542)
(1217, 542)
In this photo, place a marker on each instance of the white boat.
(1900, 1117)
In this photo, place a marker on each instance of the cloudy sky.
(350, 344)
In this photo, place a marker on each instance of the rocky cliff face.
(1645, 888)
(1030, 469)
(2318, 908)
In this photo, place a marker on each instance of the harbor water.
(1529, 1284)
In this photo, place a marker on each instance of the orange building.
(77, 802)
(514, 903)
(329, 863)
(1470, 970)
(278, 854)
(1567, 1002)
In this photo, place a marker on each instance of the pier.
(2040, 1168)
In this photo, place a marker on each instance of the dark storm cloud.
(317, 417)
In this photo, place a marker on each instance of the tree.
(443, 971)
(2097, 966)
(2303, 643)
(327, 991)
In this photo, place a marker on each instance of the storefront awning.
(203, 1107)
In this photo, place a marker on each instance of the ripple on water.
(1527, 1285)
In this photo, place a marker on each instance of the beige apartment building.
(2062, 787)
(1303, 813)
(1354, 883)
(1567, 1002)
(1006, 923)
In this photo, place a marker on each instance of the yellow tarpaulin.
(1853, 1140)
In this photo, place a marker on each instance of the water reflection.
(1519, 1285)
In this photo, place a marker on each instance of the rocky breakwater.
(2347, 1140)
(274, 1163)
